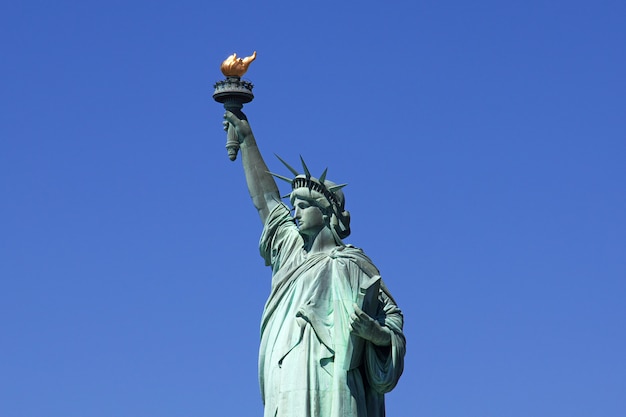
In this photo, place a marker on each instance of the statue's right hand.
(242, 128)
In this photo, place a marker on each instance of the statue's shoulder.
(349, 250)
(356, 255)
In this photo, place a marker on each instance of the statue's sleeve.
(384, 365)
(279, 234)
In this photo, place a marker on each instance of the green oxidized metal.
(233, 92)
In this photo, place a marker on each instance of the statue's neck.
(322, 242)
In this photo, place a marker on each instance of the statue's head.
(323, 194)
(330, 203)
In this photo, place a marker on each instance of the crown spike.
(323, 176)
(336, 187)
(280, 177)
(306, 169)
(289, 167)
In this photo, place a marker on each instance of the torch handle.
(232, 142)
(233, 94)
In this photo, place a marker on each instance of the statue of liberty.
(331, 333)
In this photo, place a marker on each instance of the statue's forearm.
(261, 185)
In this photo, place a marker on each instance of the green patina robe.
(305, 333)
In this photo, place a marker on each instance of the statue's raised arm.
(261, 184)
(234, 92)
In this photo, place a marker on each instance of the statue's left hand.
(362, 325)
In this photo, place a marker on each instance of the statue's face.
(308, 216)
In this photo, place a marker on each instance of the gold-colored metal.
(236, 67)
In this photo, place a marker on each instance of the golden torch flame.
(236, 67)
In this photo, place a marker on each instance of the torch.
(233, 93)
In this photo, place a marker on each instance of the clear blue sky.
(484, 144)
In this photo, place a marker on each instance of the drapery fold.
(305, 330)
